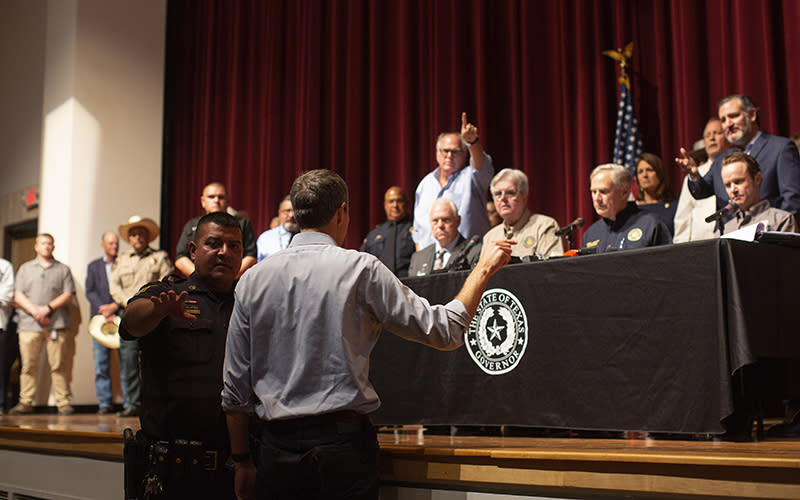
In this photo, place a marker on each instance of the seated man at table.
(450, 250)
(534, 233)
(623, 226)
(741, 176)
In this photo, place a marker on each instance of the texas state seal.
(497, 337)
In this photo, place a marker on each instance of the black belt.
(188, 454)
(338, 422)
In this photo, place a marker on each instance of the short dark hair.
(747, 103)
(752, 165)
(316, 195)
(219, 218)
(215, 183)
(285, 198)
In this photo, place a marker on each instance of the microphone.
(571, 227)
(723, 212)
(460, 262)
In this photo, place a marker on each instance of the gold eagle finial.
(621, 56)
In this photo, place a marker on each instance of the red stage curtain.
(259, 90)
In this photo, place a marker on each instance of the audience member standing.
(44, 290)
(98, 275)
(134, 268)
(465, 183)
(214, 198)
(6, 307)
(690, 224)
(391, 241)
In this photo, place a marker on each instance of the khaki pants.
(59, 355)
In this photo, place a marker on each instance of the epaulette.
(174, 278)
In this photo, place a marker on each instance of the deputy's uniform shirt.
(181, 363)
(132, 270)
(534, 233)
(375, 244)
(633, 228)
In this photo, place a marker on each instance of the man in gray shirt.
(741, 176)
(297, 354)
(43, 292)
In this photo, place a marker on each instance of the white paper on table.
(747, 233)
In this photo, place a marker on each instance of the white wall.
(87, 125)
(22, 42)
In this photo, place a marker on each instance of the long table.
(631, 340)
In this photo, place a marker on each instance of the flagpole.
(627, 144)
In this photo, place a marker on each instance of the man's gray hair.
(518, 177)
(620, 176)
(447, 201)
(440, 138)
(316, 196)
(747, 103)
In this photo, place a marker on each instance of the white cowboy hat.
(105, 333)
(138, 221)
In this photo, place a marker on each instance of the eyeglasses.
(509, 192)
(453, 152)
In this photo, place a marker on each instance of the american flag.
(627, 145)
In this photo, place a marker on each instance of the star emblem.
(494, 330)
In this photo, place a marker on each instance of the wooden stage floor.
(554, 467)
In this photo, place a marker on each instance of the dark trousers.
(9, 351)
(332, 456)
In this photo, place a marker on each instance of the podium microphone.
(723, 212)
(571, 227)
(460, 263)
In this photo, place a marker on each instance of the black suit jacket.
(97, 285)
(422, 261)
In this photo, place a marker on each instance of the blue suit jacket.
(780, 174)
(97, 285)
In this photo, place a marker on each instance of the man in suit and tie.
(777, 156)
(101, 302)
(450, 250)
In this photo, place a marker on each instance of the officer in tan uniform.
(133, 269)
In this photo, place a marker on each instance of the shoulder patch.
(635, 234)
(591, 244)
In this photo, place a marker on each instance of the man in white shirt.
(690, 224)
(278, 238)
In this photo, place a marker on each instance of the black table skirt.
(636, 340)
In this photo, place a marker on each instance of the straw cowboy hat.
(105, 333)
(138, 221)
